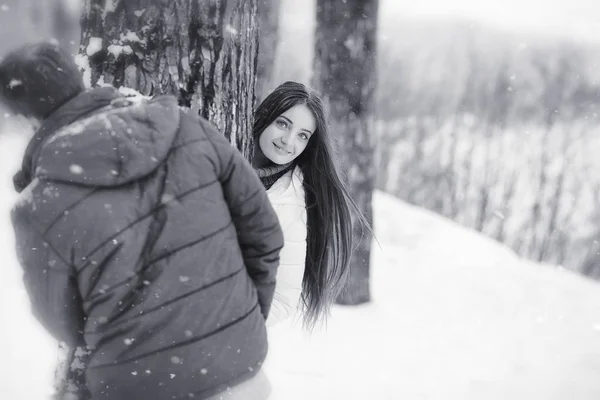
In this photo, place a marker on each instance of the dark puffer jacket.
(144, 234)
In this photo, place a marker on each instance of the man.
(143, 235)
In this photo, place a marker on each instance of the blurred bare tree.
(495, 134)
(204, 52)
(345, 73)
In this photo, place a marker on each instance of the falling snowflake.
(76, 169)
(231, 29)
(167, 197)
(176, 360)
(14, 83)
(498, 214)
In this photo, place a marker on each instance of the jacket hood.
(117, 144)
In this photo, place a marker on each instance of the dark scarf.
(269, 175)
(74, 109)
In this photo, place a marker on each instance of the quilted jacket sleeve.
(49, 280)
(259, 233)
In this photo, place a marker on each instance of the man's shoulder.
(197, 125)
(43, 202)
(203, 135)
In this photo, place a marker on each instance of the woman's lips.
(281, 149)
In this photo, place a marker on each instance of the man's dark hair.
(36, 79)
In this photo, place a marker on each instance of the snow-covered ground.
(454, 316)
(27, 352)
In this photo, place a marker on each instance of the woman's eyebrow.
(287, 119)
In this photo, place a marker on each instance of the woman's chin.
(279, 160)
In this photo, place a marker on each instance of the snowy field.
(26, 350)
(454, 316)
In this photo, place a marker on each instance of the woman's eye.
(282, 124)
(303, 136)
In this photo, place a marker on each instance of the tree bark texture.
(268, 35)
(202, 51)
(345, 73)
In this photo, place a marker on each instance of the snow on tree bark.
(268, 14)
(202, 51)
(345, 72)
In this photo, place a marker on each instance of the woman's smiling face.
(287, 136)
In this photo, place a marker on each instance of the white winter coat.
(287, 197)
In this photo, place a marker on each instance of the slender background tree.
(345, 73)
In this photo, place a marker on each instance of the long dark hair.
(329, 205)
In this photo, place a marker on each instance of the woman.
(293, 158)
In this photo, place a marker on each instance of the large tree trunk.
(345, 47)
(202, 51)
(268, 14)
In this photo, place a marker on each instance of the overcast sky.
(576, 18)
